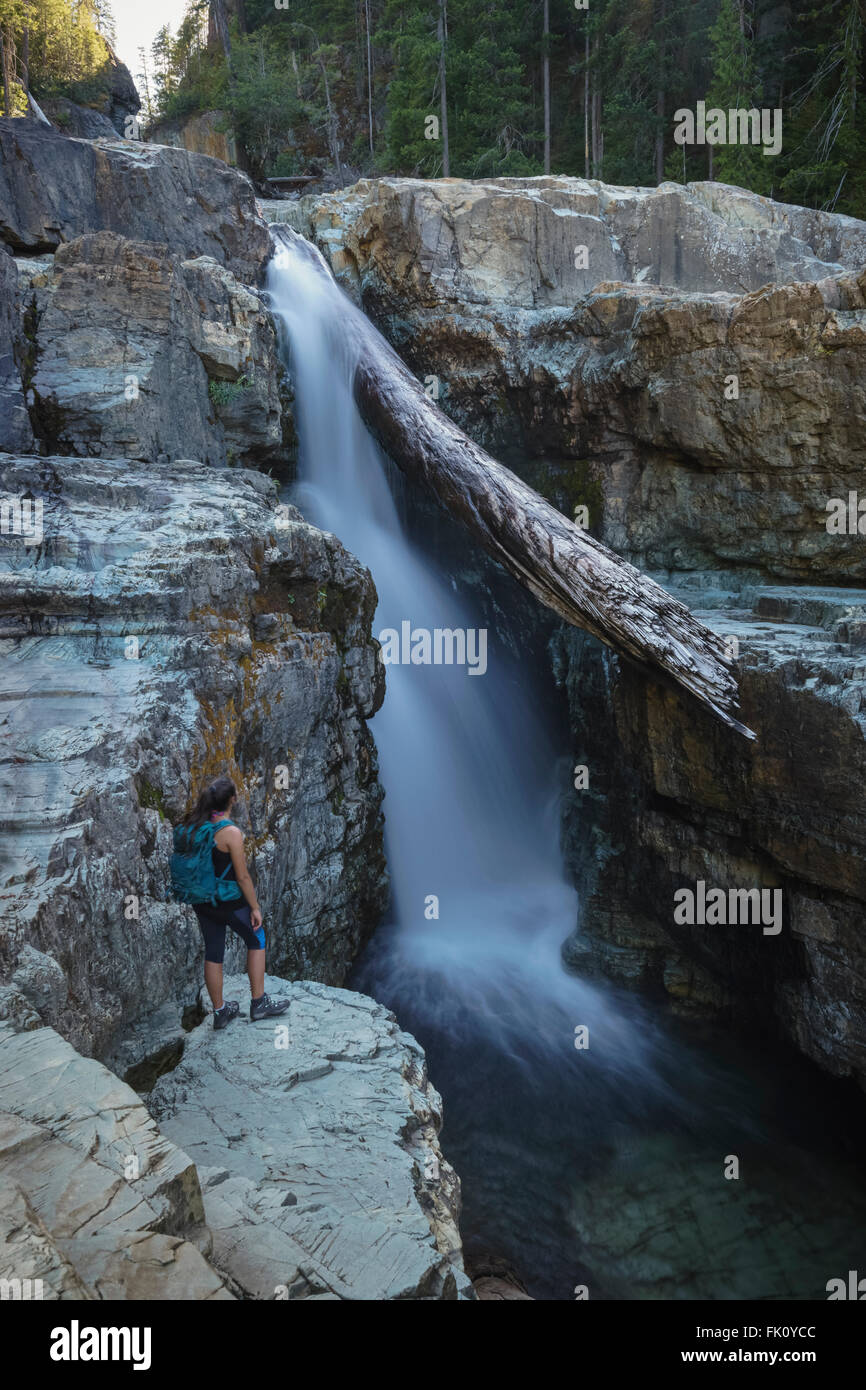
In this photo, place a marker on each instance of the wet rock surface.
(673, 801)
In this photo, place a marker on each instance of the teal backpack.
(193, 877)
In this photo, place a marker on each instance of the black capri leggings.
(214, 930)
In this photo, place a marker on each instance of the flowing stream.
(602, 1165)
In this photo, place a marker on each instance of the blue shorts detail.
(213, 923)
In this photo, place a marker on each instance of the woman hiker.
(209, 860)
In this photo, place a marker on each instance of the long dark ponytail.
(216, 797)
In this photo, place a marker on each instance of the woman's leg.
(213, 978)
(214, 934)
(254, 939)
(256, 972)
(255, 944)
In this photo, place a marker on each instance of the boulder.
(164, 624)
(315, 1135)
(96, 1203)
(54, 189)
(139, 353)
(546, 242)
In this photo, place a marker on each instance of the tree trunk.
(545, 80)
(442, 29)
(597, 134)
(369, 74)
(333, 131)
(563, 566)
(221, 28)
(4, 64)
(586, 105)
(660, 96)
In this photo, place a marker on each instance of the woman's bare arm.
(234, 843)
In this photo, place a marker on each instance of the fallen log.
(564, 567)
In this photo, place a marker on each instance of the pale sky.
(139, 21)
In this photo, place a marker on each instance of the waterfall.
(471, 810)
(569, 1155)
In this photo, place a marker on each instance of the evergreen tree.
(360, 84)
(735, 86)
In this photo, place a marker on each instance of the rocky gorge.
(687, 365)
(684, 364)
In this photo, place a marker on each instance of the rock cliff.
(117, 332)
(170, 626)
(54, 189)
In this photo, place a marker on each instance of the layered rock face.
(169, 627)
(54, 189)
(117, 332)
(162, 622)
(698, 386)
(672, 800)
(15, 431)
(315, 1137)
(146, 340)
(688, 365)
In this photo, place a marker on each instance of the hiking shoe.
(230, 1009)
(266, 1007)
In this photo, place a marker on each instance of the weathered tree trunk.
(597, 131)
(219, 29)
(333, 124)
(563, 566)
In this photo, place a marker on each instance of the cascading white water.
(553, 1144)
(470, 808)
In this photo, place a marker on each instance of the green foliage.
(152, 798)
(58, 47)
(298, 90)
(223, 393)
(734, 86)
